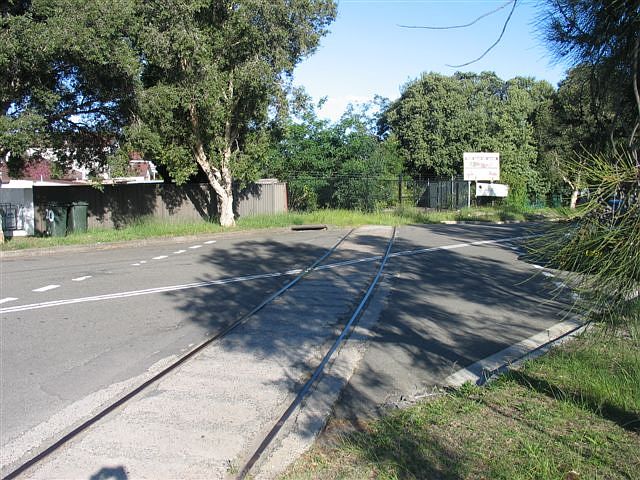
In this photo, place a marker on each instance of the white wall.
(20, 194)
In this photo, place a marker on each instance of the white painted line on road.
(178, 252)
(8, 299)
(81, 279)
(195, 246)
(210, 242)
(147, 291)
(142, 262)
(160, 257)
(515, 352)
(173, 288)
(421, 251)
(45, 288)
(460, 245)
(135, 264)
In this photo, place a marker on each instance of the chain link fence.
(369, 193)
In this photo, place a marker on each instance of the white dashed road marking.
(173, 288)
(178, 252)
(209, 242)
(8, 299)
(195, 246)
(81, 279)
(45, 288)
(160, 257)
(135, 264)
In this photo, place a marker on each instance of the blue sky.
(366, 51)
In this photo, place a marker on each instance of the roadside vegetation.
(572, 414)
(149, 228)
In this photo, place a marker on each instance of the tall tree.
(339, 165)
(212, 69)
(189, 82)
(603, 40)
(437, 118)
(605, 35)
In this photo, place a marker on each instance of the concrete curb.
(499, 222)
(514, 355)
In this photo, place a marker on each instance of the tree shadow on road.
(446, 309)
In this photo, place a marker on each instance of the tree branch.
(636, 54)
(504, 28)
(466, 24)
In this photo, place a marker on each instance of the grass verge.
(149, 228)
(572, 414)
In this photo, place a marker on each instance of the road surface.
(81, 327)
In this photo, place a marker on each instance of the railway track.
(337, 286)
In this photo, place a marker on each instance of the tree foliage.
(437, 118)
(599, 106)
(70, 76)
(606, 36)
(187, 82)
(339, 165)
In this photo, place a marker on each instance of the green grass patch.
(139, 230)
(574, 413)
(151, 228)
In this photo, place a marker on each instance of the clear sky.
(367, 52)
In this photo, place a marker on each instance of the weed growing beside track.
(572, 414)
(149, 228)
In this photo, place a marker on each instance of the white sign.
(481, 166)
(492, 190)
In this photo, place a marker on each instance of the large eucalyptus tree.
(211, 71)
(189, 82)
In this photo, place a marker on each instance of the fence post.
(400, 190)
(452, 202)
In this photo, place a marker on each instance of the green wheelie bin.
(55, 216)
(77, 220)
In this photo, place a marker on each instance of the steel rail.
(219, 335)
(319, 369)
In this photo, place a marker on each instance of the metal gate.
(9, 214)
(439, 193)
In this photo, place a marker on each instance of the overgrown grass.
(572, 414)
(149, 228)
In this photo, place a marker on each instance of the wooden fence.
(118, 205)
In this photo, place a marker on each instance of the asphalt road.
(448, 308)
(120, 312)
(79, 328)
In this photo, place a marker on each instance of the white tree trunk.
(574, 199)
(225, 209)
(219, 178)
(575, 191)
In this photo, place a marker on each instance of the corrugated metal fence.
(118, 205)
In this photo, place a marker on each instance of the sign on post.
(492, 190)
(481, 166)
